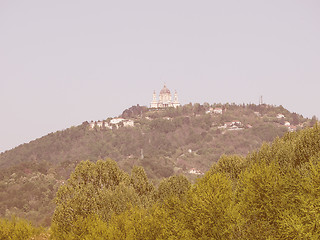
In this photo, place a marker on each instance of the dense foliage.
(273, 193)
(18, 229)
(164, 142)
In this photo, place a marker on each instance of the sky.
(64, 62)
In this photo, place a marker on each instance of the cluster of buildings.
(115, 122)
(165, 101)
(290, 127)
(233, 126)
(214, 111)
(195, 171)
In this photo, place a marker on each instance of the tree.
(176, 186)
(209, 209)
(97, 190)
(231, 165)
(295, 119)
(259, 201)
(17, 229)
(313, 121)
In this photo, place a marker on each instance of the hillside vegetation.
(272, 193)
(186, 140)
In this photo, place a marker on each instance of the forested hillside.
(186, 140)
(272, 193)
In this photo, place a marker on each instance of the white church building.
(165, 99)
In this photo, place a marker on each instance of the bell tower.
(176, 100)
(154, 103)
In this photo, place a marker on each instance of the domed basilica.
(165, 99)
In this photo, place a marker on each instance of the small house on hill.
(279, 116)
(287, 123)
(217, 111)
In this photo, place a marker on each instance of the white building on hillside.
(217, 111)
(116, 120)
(128, 123)
(286, 123)
(165, 99)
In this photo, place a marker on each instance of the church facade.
(165, 99)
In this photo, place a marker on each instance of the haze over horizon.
(66, 62)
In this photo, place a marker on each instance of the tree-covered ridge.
(272, 193)
(164, 143)
(162, 134)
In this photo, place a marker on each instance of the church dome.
(165, 90)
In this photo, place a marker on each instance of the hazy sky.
(65, 62)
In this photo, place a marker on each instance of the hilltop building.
(165, 99)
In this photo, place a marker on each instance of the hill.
(272, 193)
(187, 140)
